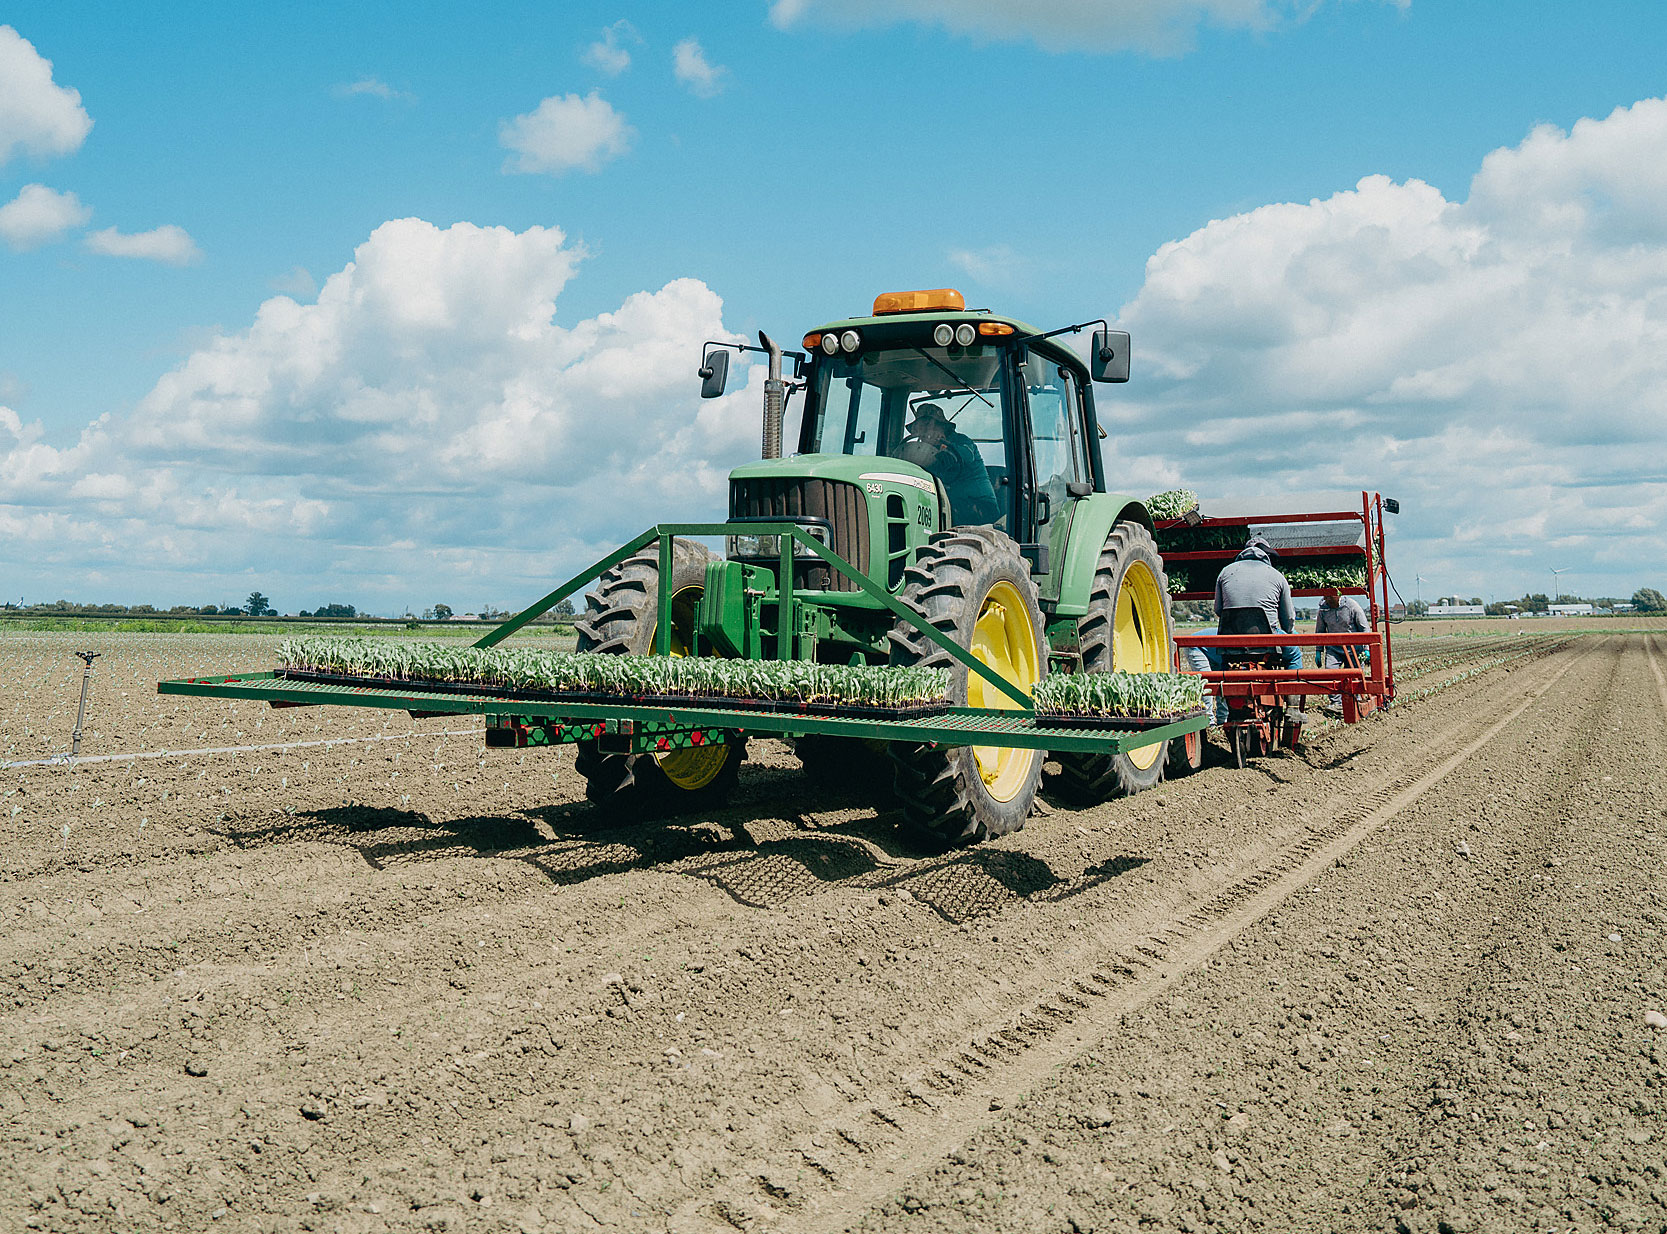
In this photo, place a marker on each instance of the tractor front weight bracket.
(623, 736)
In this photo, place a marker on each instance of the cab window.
(1055, 425)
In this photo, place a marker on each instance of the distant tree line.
(1644, 600)
(257, 605)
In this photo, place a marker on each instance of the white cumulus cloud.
(37, 116)
(373, 87)
(565, 132)
(997, 266)
(1499, 362)
(1161, 27)
(694, 72)
(169, 244)
(428, 423)
(609, 54)
(39, 215)
(299, 283)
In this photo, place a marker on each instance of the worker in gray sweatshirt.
(1250, 581)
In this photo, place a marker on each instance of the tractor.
(953, 458)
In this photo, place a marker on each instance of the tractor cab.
(991, 418)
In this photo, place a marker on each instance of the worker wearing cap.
(1250, 581)
(935, 444)
(1339, 614)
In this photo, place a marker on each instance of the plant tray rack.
(555, 698)
(954, 726)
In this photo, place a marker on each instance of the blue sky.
(165, 439)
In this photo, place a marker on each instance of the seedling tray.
(790, 707)
(1121, 724)
(955, 726)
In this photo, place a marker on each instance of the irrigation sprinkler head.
(87, 658)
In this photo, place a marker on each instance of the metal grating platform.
(960, 726)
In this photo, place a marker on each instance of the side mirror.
(1110, 361)
(1390, 504)
(714, 375)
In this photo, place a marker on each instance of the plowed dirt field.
(1412, 980)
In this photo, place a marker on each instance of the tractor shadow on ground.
(980, 882)
(739, 851)
(383, 835)
(863, 854)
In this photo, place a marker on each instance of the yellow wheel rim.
(1139, 637)
(1004, 639)
(683, 605)
(697, 766)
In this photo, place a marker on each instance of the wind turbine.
(1554, 575)
(1418, 590)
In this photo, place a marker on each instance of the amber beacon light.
(937, 299)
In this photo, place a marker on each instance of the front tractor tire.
(1127, 627)
(971, 584)
(620, 619)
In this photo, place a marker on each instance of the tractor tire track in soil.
(1132, 977)
(414, 985)
(1448, 1034)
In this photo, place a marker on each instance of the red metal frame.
(1363, 690)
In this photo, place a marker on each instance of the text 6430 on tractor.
(954, 459)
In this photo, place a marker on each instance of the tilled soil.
(407, 983)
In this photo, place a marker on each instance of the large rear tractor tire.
(619, 619)
(971, 584)
(1127, 627)
(853, 765)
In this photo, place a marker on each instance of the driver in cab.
(930, 441)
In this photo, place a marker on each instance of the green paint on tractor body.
(1033, 406)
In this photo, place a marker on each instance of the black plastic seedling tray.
(723, 702)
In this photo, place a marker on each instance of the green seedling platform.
(643, 727)
(626, 726)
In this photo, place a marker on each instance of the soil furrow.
(491, 1014)
(1225, 915)
(1198, 1124)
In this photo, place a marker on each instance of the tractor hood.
(852, 468)
(874, 512)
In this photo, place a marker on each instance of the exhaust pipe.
(775, 398)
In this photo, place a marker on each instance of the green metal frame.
(790, 534)
(958, 726)
(559, 722)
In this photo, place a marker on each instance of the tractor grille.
(841, 504)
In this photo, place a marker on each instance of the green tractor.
(953, 458)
